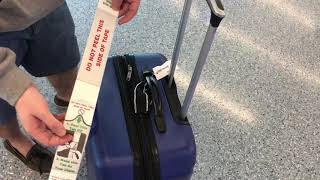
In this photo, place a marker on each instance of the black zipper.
(138, 125)
(140, 130)
(145, 129)
(134, 137)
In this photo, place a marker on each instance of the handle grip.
(217, 12)
(216, 7)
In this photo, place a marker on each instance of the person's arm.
(13, 81)
(17, 88)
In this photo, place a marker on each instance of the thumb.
(61, 117)
(116, 4)
(52, 123)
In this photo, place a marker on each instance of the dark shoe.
(60, 102)
(38, 158)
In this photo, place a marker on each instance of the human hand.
(127, 9)
(38, 121)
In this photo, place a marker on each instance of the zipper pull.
(129, 74)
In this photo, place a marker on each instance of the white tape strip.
(85, 94)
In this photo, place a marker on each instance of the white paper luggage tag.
(85, 94)
(162, 71)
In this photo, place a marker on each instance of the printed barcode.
(107, 3)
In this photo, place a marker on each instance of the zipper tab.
(129, 74)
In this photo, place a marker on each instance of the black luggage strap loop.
(152, 85)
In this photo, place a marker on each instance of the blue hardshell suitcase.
(140, 130)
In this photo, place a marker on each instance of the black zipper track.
(133, 134)
(148, 144)
(141, 136)
(153, 155)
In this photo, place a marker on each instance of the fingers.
(42, 134)
(46, 137)
(116, 4)
(130, 13)
(124, 9)
(55, 140)
(52, 123)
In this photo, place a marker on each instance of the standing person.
(40, 36)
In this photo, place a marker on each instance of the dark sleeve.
(13, 81)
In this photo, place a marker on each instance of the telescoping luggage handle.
(217, 14)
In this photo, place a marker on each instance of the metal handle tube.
(179, 40)
(197, 72)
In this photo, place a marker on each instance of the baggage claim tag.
(84, 97)
(162, 71)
